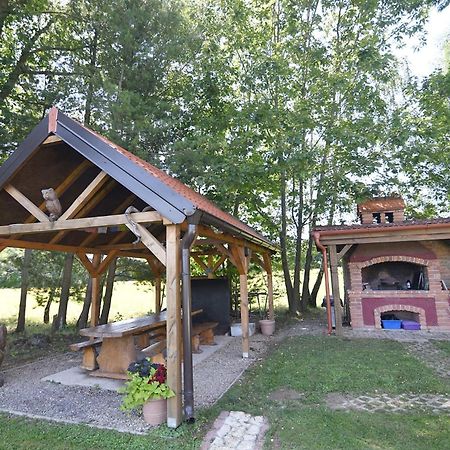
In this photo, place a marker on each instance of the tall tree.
(24, 290)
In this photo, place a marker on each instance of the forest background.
(285, 113)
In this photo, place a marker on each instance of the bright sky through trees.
(424, 59)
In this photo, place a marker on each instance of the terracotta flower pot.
(155, 411)
(267, 327)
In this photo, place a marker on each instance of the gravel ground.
(25, 394)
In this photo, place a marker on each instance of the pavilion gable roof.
(170, 197)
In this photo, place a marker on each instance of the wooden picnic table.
(118, 348)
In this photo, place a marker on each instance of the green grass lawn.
(443, 345)
(314, 366)
(317, 366)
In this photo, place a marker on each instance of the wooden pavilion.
(114, 204)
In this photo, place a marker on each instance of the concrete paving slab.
(75, 376)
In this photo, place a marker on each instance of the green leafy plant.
(147, 382)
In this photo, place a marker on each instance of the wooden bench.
(203, 333)
(90, 352)
(156, 351)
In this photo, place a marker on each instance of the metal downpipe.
(188, 380)
(323, 249)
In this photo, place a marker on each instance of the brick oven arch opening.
(395, 275)
(410, 312)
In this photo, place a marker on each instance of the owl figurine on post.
(52, 204)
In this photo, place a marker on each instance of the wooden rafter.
(256, 259)
(85, 196)
(63, 248)
(204, 231)
(74, 224)
(240, 260)
(89, 206)
(218, 263)
(74, 175)
(226, 252)
(150, 242)
(107, 261)
(26, 203)
(344, 250)
(100, 268)
(87, 263)
(200, 262)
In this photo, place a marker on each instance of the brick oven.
(393, 268)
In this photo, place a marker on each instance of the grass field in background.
(129, 300)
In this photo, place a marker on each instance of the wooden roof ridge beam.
(149, 240)
(89, 206)
(86, 195)
(75, 224)
(26, 203)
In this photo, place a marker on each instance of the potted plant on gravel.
(147, 387)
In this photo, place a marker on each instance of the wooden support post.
(335, 289)
(244, 314)
(158, 294)
(242, 266)
(268, 268)
(156, 269)
(174, 332)
(95, 296)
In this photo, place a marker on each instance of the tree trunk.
(23, 290)
(315, 289)
(61, 321)
(298, 249)
(284, 252)
(108, 292)
(82, 320)
(47, 306)
(306, 296)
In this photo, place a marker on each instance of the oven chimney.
(381, 210)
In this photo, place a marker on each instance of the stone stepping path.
(236, 430)
(436, 404)
(431, 356)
